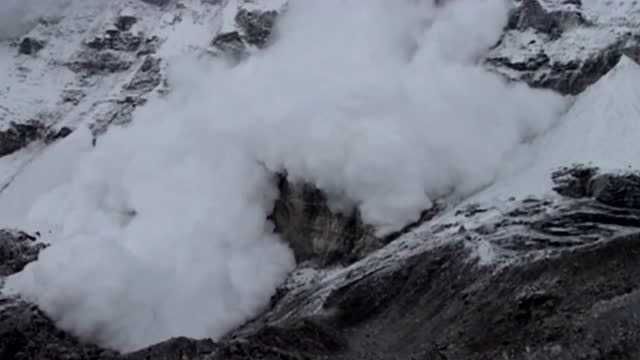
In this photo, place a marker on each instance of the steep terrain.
(538, 263)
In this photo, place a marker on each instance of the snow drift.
(161, 229)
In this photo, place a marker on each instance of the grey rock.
(26, 333)
(618, 190)
(93, 63)
(30, 46)
(116, 40)
(174, 349)
(17, 249)
(254, 29)
(256, 25)
(573, 181)
(303, 219)
(125, 22)
(157, 2)
(148, 76)
(18, 136)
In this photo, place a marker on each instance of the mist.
(17, 17)
(161, 230)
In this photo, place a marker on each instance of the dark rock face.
(571, 77)
(17, 249)
(26, 333)
(17, 136)
(303, 219)
(148, 76)
(565, 288)
(116, 40)
(174, 349)
(30, 46)
(255, 28)
(541, 65)
(157, 2)
(95, 63)
(317, 235)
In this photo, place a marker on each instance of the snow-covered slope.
(600, 129)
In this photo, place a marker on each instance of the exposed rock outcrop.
(19, 135)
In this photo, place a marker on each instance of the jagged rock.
(618, 190)
(566, 76)
(61, 133)
(17, 249)
(99, 63)
(17, 136)
(125, 22)
(315, 233)
(256, 25)
(621, 190)
(30, 46)
(303, 219)
(157, 2)
(26, 333)
(573, 181)
(148, 76)
(254, 29)
(116, 40)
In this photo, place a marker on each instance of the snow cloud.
(19, 16)
(161, 230)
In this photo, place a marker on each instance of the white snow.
(601, 129)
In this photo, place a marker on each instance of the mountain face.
(535, 261)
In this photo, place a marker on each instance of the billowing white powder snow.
(161, 229)
(601, 129)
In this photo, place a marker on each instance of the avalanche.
(161, 230)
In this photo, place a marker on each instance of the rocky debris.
(229, 43)
(157, 2)
(30, 46)
(54, 135)
(17, 249)
(532, 15)
(116, 40)
(148, 76)
(120, 114)
(91, 63)
(554, 48)
(18, 136)
(254, 29)
(256, 25)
